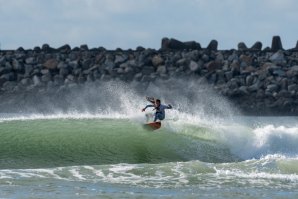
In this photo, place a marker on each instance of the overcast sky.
(132, 23)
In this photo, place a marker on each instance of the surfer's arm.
(147, 107)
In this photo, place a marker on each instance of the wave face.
(45, 142)
(50, 143)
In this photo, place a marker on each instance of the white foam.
(72, 115)
(258, 175)
(75, 172)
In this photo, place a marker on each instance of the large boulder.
(242, 46)
(212, 46)
(257, 46)
(276, 44)
(64, 49)
(192, 45)
(172, 44)
(175, 44)
(278, 58)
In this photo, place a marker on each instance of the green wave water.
(66, 142)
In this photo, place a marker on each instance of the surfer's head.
(157, 102)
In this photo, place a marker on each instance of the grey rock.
(276, 44)
(167, 43)
(229, 75)
(272, 88)
(84, 47)
(242, 46)
(16, 65)
(28, 70)
(212, 46)
(194, 66)
(233, 84)
(293, 87)
(62, 65)
(87, 63)
(146, 78)
(9, 86)
(182, 62)
(45, 71)
(192, 55)
(279, 72)
(64, 49)
(73, 64)
(70, 77)
(90, 78)
(63, 72)
(7, 77)
(233, 57)
(161, 69)
(220, 77)
(172, 44)
(138, 76)
(278, 58)
(36, 80)
(192, 45)
(257, 46)
(30, 60)
(120, 70)
(51, 64)
(147, 70)
(294, 68)
(26, 81)
(120, 58)
(284, 94)
(205, 58)
(58, 80)
(243, 90)
(157, 60)
(81, 79)
(109, 64)
(249, 80)
(140, 48)
(219, 57)
(255, 87)
(46, 77)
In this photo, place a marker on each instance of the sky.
(131, 23)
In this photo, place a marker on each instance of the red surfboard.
(152, 126)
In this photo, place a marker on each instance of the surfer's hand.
(143, 110)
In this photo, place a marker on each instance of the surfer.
(160, 109)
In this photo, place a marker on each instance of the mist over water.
(187, 96)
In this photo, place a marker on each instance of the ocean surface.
(84, 156)
(199, 152)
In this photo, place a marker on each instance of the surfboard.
(152, 126)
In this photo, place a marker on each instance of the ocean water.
(199, 152)
(91, 157)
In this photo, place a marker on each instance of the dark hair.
(157, 100)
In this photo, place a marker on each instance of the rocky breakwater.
(258, 81)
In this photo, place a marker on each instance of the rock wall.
(258, 81)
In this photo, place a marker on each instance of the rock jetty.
(258, 81)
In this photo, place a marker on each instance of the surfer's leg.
(158, 116)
